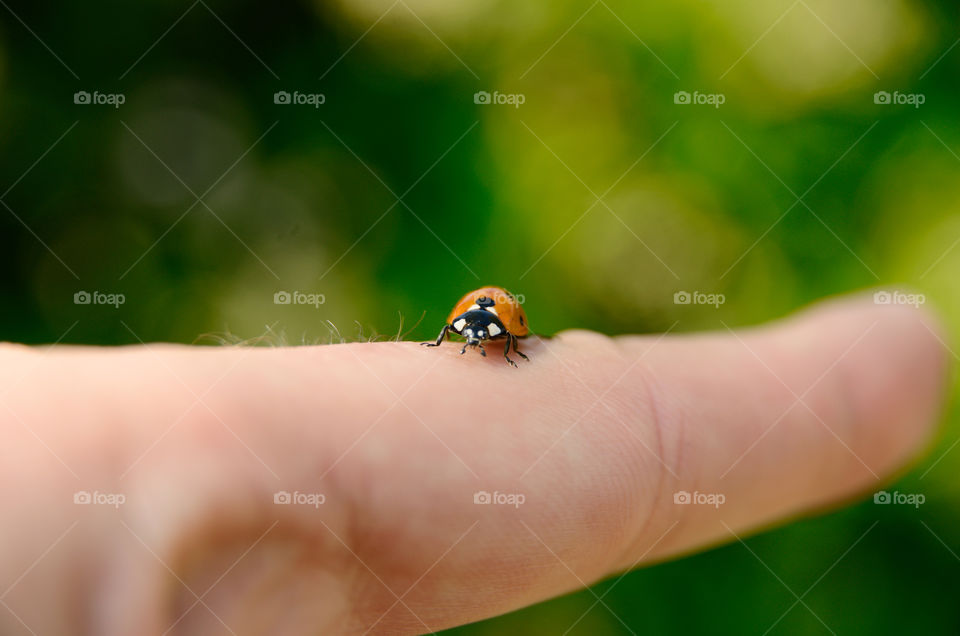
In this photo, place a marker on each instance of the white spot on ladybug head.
(474, 307)
(494, 329)
(458, 325)
(492, 310)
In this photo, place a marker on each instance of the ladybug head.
(474, 333)
(477, 325)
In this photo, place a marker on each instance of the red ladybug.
(488, 313)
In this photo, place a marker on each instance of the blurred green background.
(599, 198)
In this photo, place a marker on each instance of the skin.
(596, 433)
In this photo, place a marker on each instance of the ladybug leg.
(506, 350)
(482, 352)
(464, 350)
(517, 351)
(443, 334)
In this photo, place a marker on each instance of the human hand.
(596, 434)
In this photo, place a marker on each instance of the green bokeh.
(494, 194)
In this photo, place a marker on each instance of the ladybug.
(488, 313)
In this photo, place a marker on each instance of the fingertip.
(897, 374)
(793, 416)
(903, 379)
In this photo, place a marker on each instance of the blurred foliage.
(597, 199)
